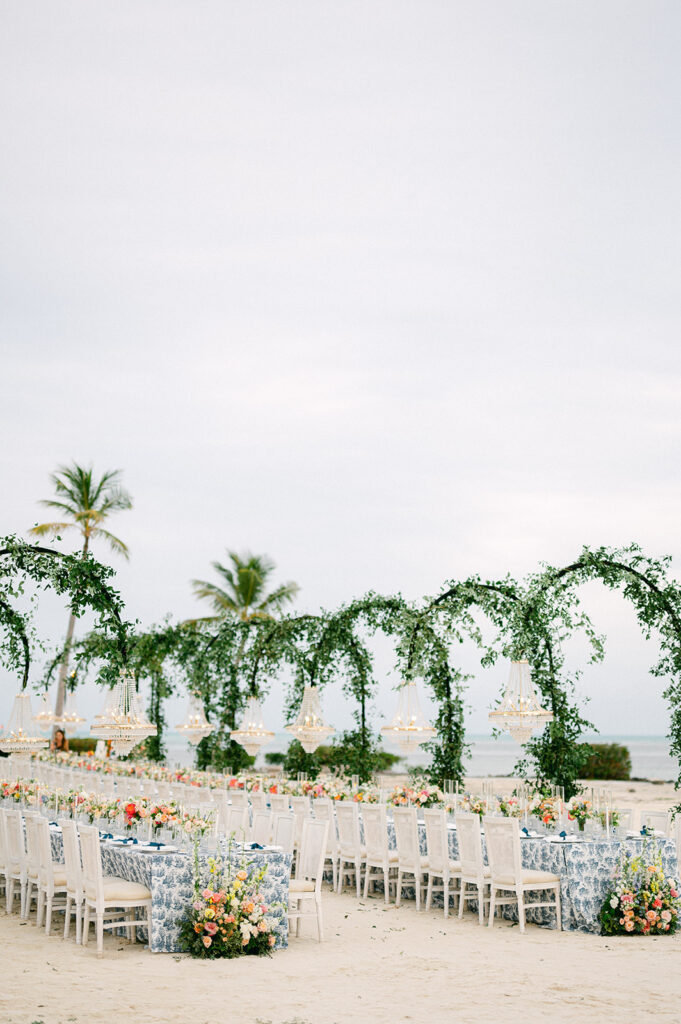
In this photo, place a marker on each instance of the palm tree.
(243, 593)
(84, 503)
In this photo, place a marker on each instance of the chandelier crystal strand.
(409, 727)
(520, 712)
(20, 738)
(123, 719)
(252, 734)
(195, 725)
(309, 727)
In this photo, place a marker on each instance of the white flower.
(614, 902)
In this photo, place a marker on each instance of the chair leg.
(521, 909)
(386, 884)
(40, 906)
(445, 894)
(559, 923)
(48, 916)
(398, 893)
(462, 897)
(358, 878)
(320, 925)
(67, 916)
(367, 876)
(79, 922)
(100, 933)
(492, 903)
(149, 926)
(481, 903)
(429, 891)
(86, 923)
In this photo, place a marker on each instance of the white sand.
(378, 965)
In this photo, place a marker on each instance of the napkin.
(106, 835)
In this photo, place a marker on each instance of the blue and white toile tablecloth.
(169, 877)
(585, 868)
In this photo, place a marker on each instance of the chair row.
(78, 886)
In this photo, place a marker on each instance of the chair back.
(14, 831)
(258, 799)
(108, 784)
(261, 831)
(300, 806)
(284, 831)
(324, 811)
(437, 838)
(503, 848)
(32, 854)
(658, 820)
(279, 803)
(222, 806)
(349, 840)
(41, 832)
(312, 851)
(407, 837)
(72, 864)
(469, 839)
(3, 841)
(375, 821)
(92, 862)
(238, 797)
(238, 823)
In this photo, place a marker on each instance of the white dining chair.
(238, 797)
(656, 819)
(3, 854)
(626, 817)
(74, 877)
(52, 887)
(410, 861)
(300, 808)
(508, 876)
(351, 852)
(324, 811)
(258, 799)
(284, 831)
(279, 803)
(474, 872)
(440, 864)
(305, 890)
(15, 871)
(380, 860)
(112, 900)
(238, 825)
(32, 889)
(261, 831)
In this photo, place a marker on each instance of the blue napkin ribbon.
(525, 831)
(106, 835)
(562, 835)
(157, 845)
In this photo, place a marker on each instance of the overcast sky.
(387, 290)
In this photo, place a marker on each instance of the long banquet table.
(585, 868)
(169, 877)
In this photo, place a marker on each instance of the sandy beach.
(377, 963)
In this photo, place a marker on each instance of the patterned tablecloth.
(169, 877)
(585, 869)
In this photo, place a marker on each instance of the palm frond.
(115, 543)
(50, 529)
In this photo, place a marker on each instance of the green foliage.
(275, 757)
(607, 761)
(81, 744)
(298, 760)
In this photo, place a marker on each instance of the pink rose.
(211, 927)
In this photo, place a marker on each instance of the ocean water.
(650, 758)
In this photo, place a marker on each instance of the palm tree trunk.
(64, 667)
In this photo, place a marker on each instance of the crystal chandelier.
(44, 718)
(309, 727)
(409, 727)
(123, 719)
(195, 725)
(21, 738)
(519, 712)
(252, 734)
(71, 718)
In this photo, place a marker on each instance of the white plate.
(155, 849)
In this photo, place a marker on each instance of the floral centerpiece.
(579, 810)
(473, 805)
(421, 794)
(546, 808)
(510, 807)
(228, 916)
(641, 899)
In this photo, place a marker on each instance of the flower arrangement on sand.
(228, 916)
(641, 899)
